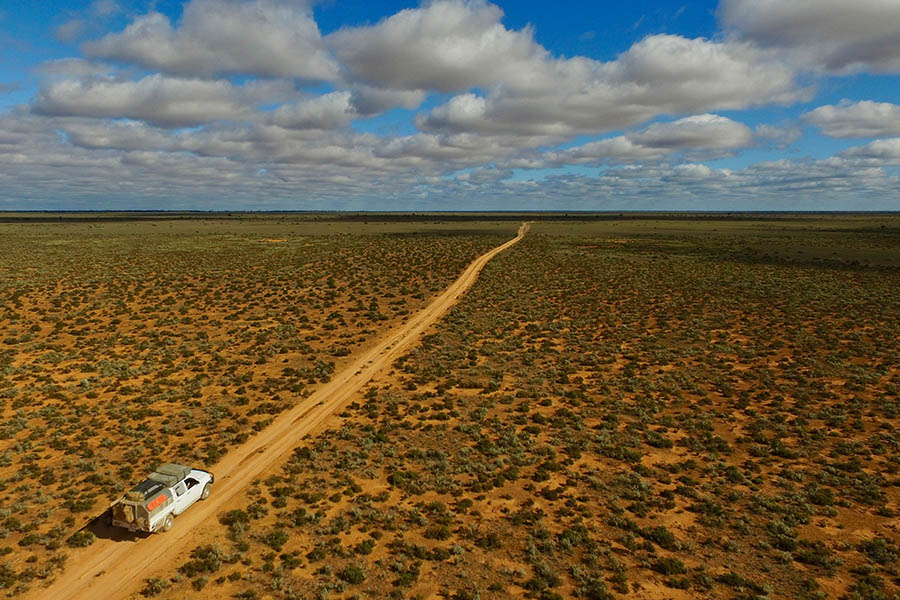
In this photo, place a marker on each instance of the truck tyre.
(169, 522)
(205, 493)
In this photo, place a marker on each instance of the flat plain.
(672, 407)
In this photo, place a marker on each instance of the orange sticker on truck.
(156, 502)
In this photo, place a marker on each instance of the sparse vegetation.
(616, 409)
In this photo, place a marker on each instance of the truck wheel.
(168, 523)
(205, 493)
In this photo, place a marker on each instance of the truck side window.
(190, 482)
(179, 489)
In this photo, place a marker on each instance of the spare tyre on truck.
(153, 504)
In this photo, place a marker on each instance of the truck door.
(181, 498)
(194, 489)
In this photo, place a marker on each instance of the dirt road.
(116, 566)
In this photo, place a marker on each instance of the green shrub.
(669, 566)
(353, 574)
(153, 587)
(81, 539)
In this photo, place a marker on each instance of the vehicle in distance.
(153, 504)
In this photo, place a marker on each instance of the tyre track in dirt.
(115, 567)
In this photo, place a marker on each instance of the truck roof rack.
(169, 474)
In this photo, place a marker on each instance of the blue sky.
(450, 104)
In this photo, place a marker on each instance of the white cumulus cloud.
(885, 152)
(862, 119)
(839, 36)
(707, 134)
(275, 38)
(663, 74)
(156, 99)
(329, 111)
(448, 45)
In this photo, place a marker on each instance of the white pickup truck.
(153, 504)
